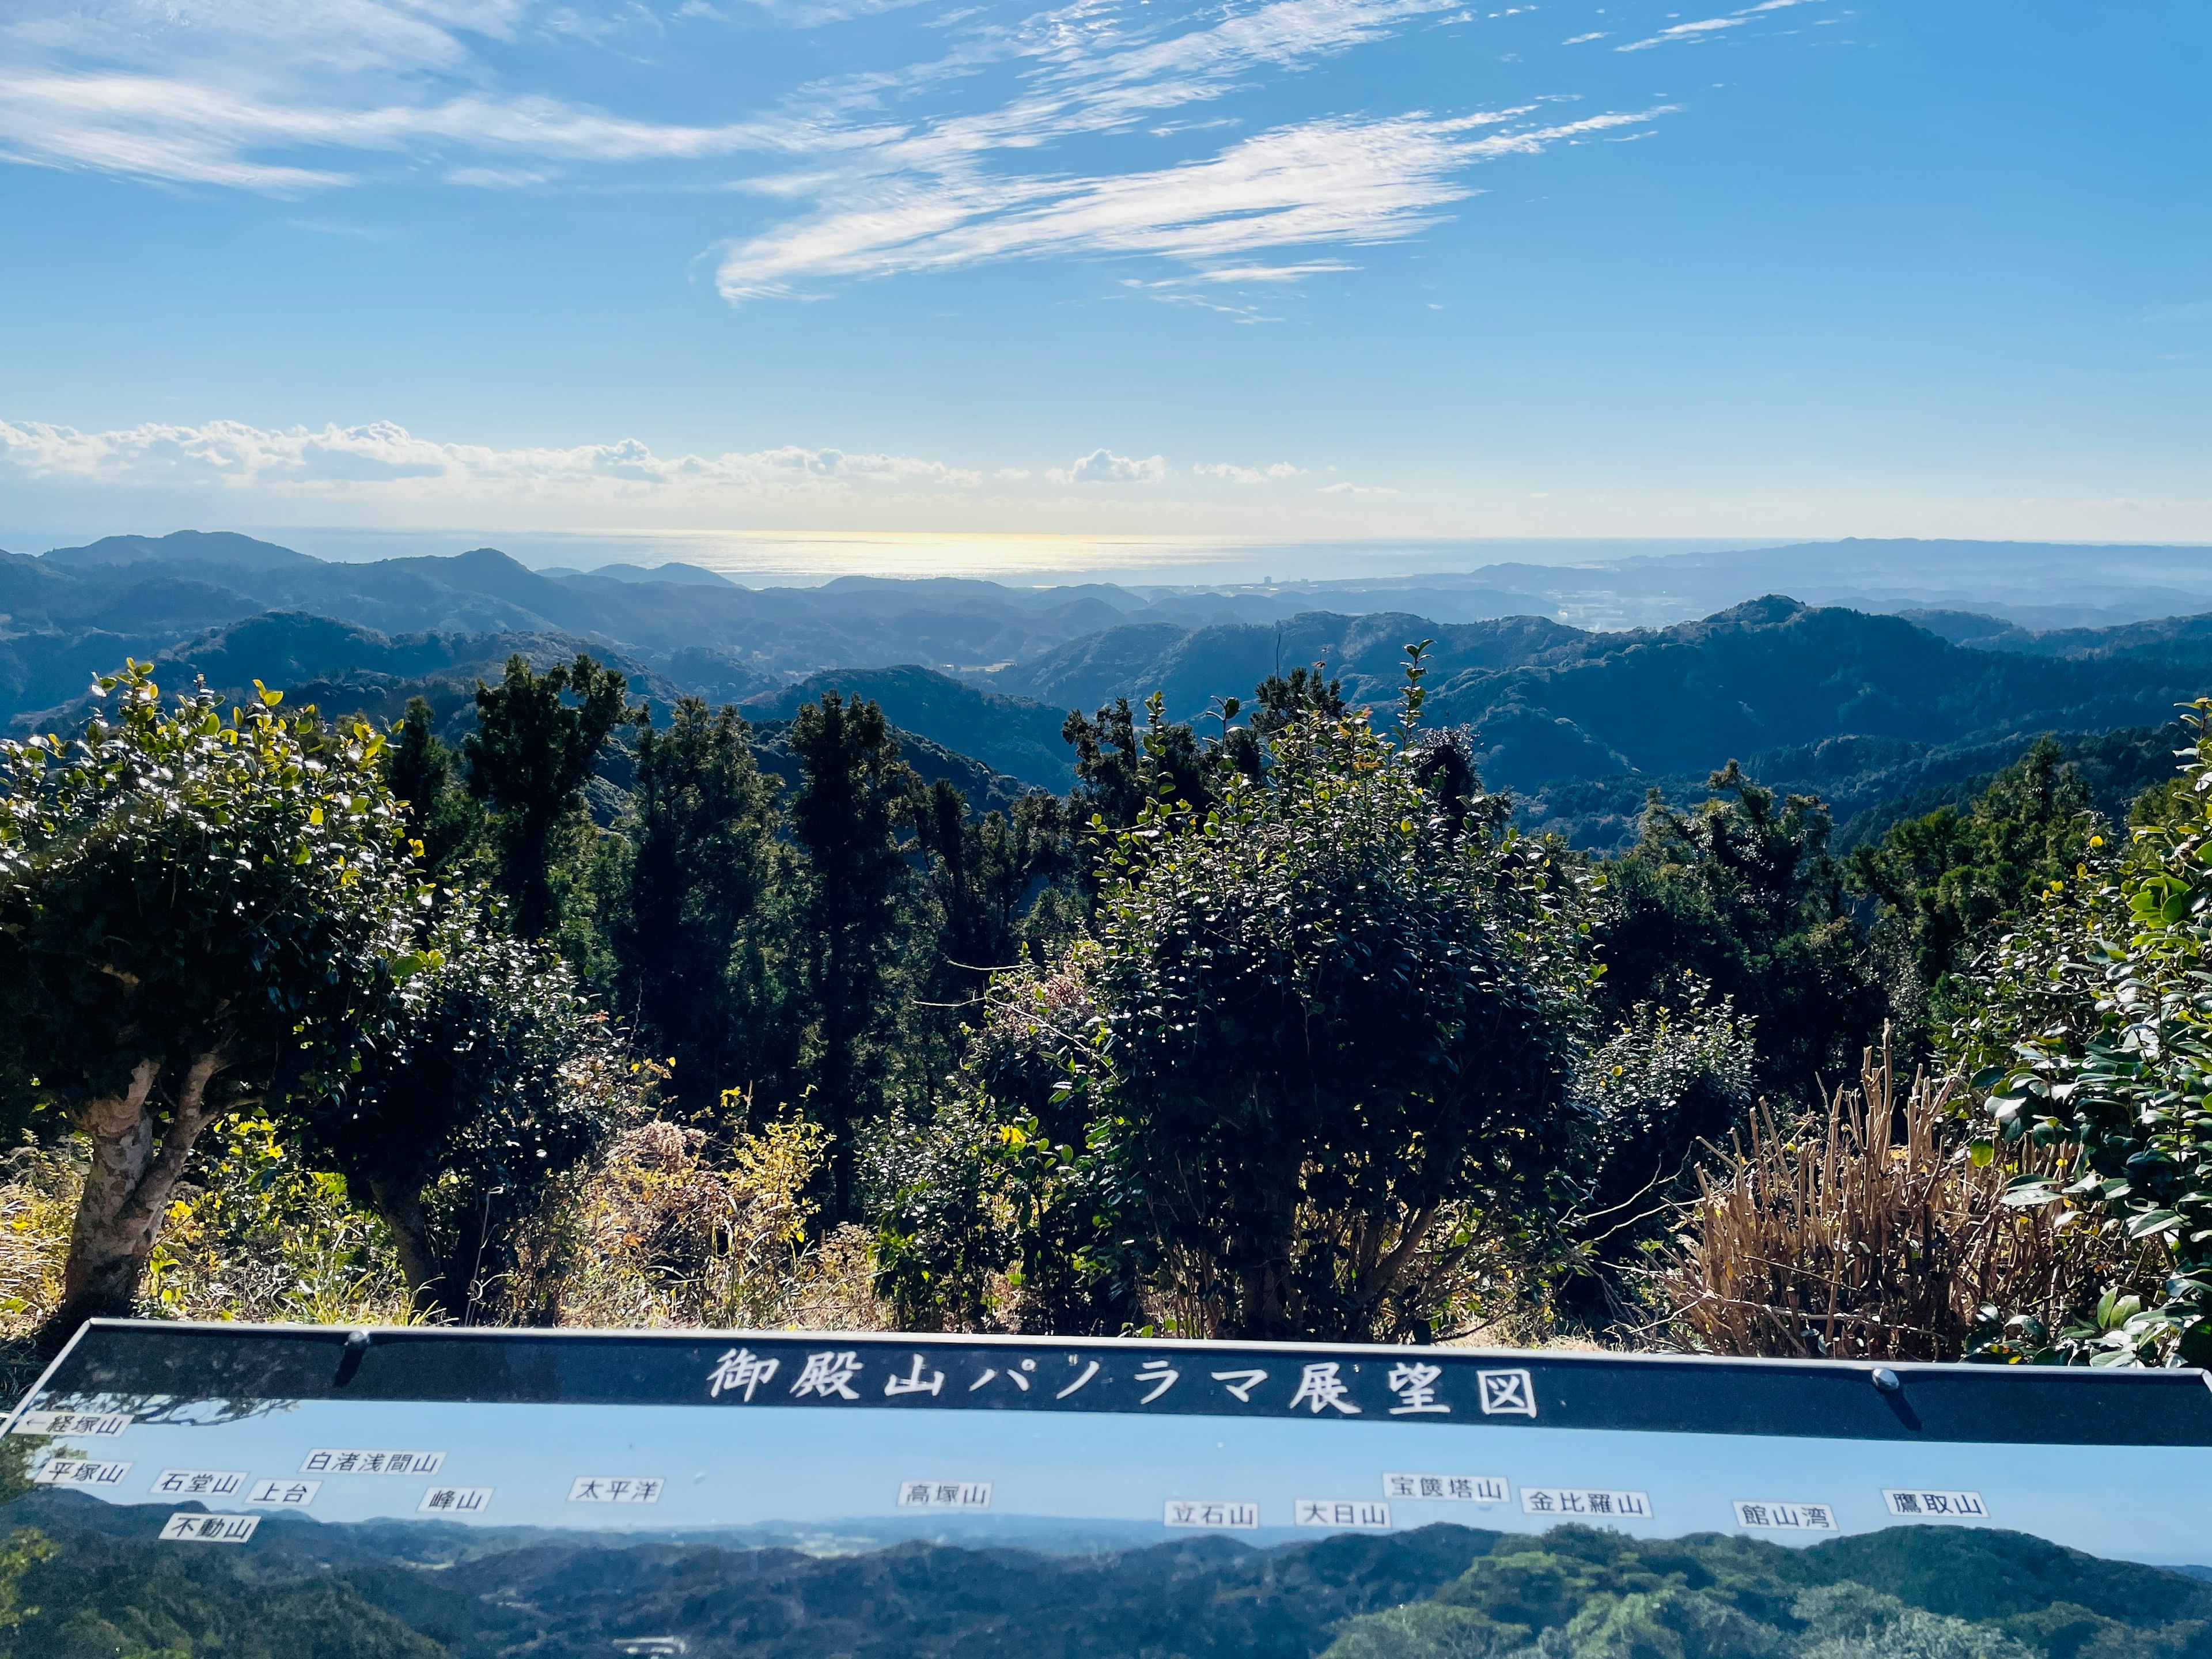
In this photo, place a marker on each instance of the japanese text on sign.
(198, 1483)
(614, 1489)
(1789, 1517)
(1506, 1394)
(80, 1471)
(944, 1494)
(454, 1500)
(324, 1460)
(285, 1494)
(1342, 1512)
(71, 1423)
(1581, 1501)
(1199, 1512)
(1448, 1488)
(190, 1527)
(1936, 1505)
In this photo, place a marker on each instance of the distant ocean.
(763, 559)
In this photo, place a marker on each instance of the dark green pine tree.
(1743, 892)
(1947, 882)
(1120, 766)
(424, 774)
(536, 740)
(703, 822)
(844, 818)
(983, 874)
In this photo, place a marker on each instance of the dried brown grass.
(660, 1233)
(1873, 1234)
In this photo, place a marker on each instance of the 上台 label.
(284, 1494)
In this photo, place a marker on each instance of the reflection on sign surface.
(477, 1494)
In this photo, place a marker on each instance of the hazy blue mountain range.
(150, 592)
(1019, 736)
(1864, 709)
(1439, 1592)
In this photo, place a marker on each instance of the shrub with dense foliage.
(198, 911)
(484, 1077)
(2090, 1029)
(1322, 1043)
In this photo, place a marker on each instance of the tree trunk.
(127, 1191)
(401, 1207)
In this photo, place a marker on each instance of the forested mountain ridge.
(66, 613)
(1552, 701)
(416, 1589)
(1860, 709)
(1019, 736)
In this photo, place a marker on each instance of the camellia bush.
(485, 1077)
(2090, 1029)
(198, 911)
(1317, 1059)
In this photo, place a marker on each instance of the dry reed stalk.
(656, 1234)
(1875, 1234)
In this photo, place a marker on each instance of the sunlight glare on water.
(763, 559)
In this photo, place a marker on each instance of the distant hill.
(1905, 1593)
(1016, 735)
(1194, 666)
(1851, 706)
(412, 1590)
(225, 548)
(1865, 709)
(343, 669)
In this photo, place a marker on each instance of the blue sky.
(1268, 268)
(734, 1465)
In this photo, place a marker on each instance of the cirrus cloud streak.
(1337, 180)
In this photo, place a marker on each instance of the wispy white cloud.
(1248, 475)
(501, 178)
(1584, 39)
(1294, 273)
(1105, 466)
(929, 166)
(386, 459)
(1356, 489)
(164, 128)
(1682, 32)
(1334, 180)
